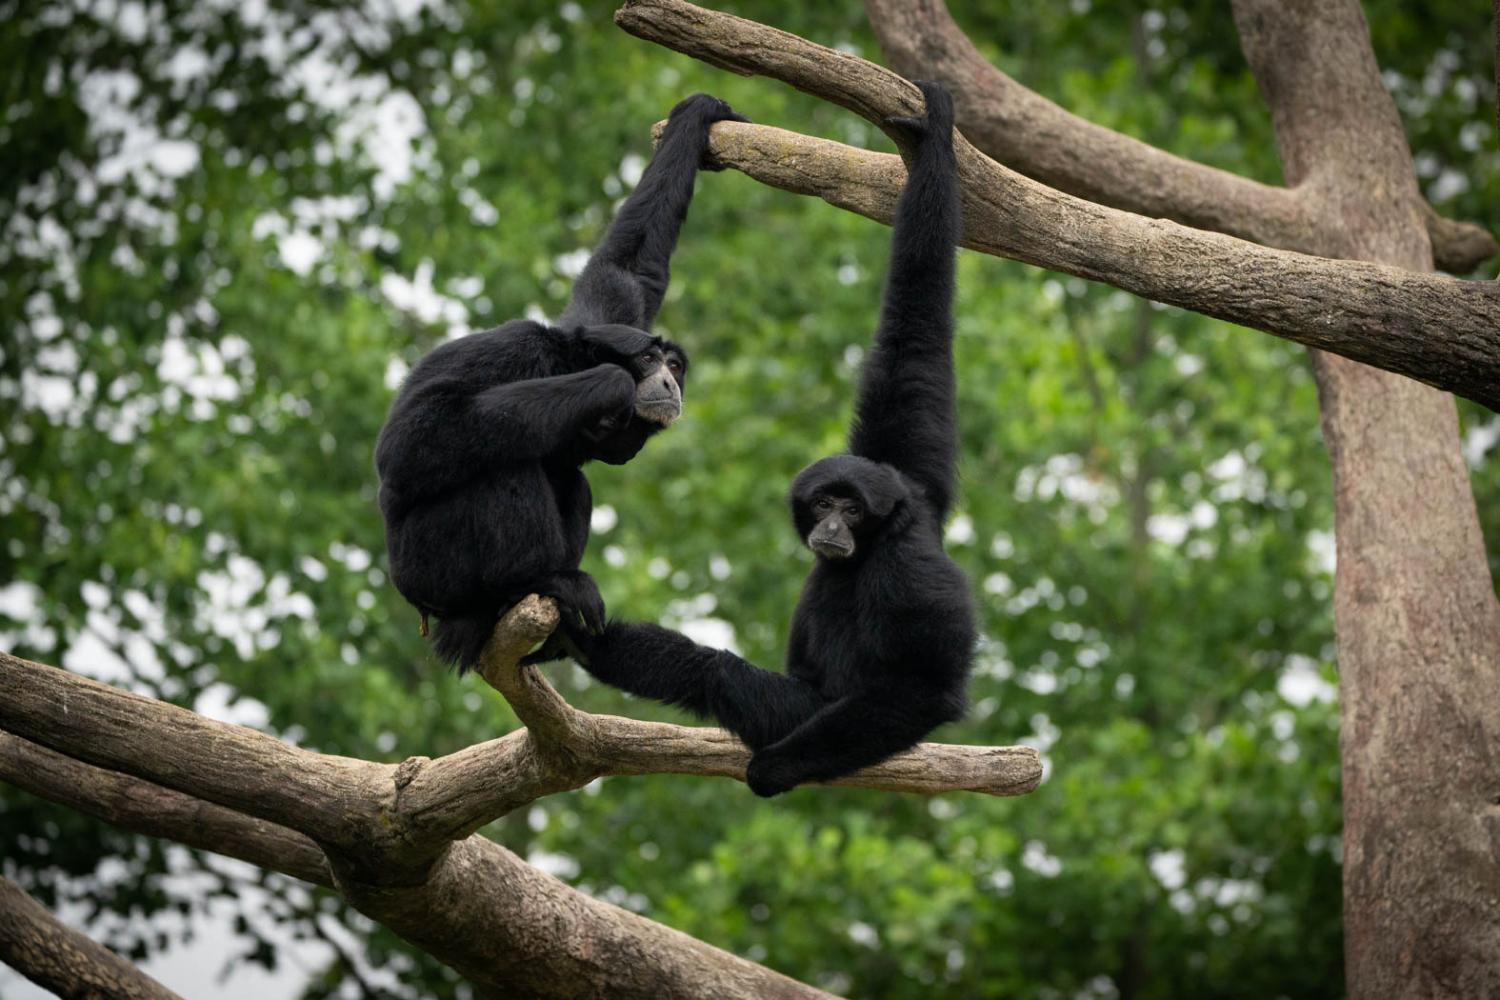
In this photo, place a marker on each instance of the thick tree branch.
(1431, 328)
(1032, 135)
(386, 817)
(563, 748)
(478, 908)
(141, 807)
(58, 958)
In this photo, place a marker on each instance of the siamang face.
(842, 504)
(659, 373)
(839, 517)
(659, 368)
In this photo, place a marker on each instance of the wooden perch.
(1436, 329)
(395, 839)
(402, 816)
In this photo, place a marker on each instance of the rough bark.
(1418, 625)
(58, 958)
(1436, 329)
(1032, 135)
(397, 840)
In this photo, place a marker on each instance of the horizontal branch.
(478, 908)
(563, 748)
(56, 957)
(1432, 328)
(1030, 134)
(142, 807)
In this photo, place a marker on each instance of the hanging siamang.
(479, 461)
(883, 635)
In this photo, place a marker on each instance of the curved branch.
(1432, 328)
(1033, 136)
(58, 958)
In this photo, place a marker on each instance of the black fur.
(881, 641)
(480, 459)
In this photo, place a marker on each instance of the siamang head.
(841, 504)
(660, 371)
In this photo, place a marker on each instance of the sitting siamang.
(883, 635)
(479, 461)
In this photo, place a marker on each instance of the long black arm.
(758, 706)
(906, 415)
(446, 435)
(626, 278)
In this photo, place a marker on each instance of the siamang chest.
(835, 637)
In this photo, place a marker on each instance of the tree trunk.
(1417, 621)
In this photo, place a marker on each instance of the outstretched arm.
(446, 435)
(627, 276)
(906, 415)
(757, 705)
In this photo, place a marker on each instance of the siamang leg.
(626, 278)
(758, 706)
(844, 736)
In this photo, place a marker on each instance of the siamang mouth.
(659, 411)
(829, 548)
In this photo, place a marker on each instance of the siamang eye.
(822, 504)
(674, 365)
(855, 512)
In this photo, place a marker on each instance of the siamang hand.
(702, 110)
(619, 385)
(705, 109)
(936, 124)
(768, 774)
(578, 600)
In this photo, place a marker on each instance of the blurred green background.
(231, 227)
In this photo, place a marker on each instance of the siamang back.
(480, 460)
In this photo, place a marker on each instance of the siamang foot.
(578, 600)
(937, 123)
(558, 646)
(770, 775)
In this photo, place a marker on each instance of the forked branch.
(1435, 329)
(1030, 134)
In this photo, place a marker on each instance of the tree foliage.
(231, 228)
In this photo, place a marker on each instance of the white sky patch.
(960, 530)
(1323, 548)
(1064, 475)
(1301, 683)
(1171, 529)
(1035, 858)
(632, 167)
(299, 251)
(1170, 869)
(1478, 440)
(222, 702)
(571, 264)
(418, 296)
(694, 618)
(396, 370)
(603, 519)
